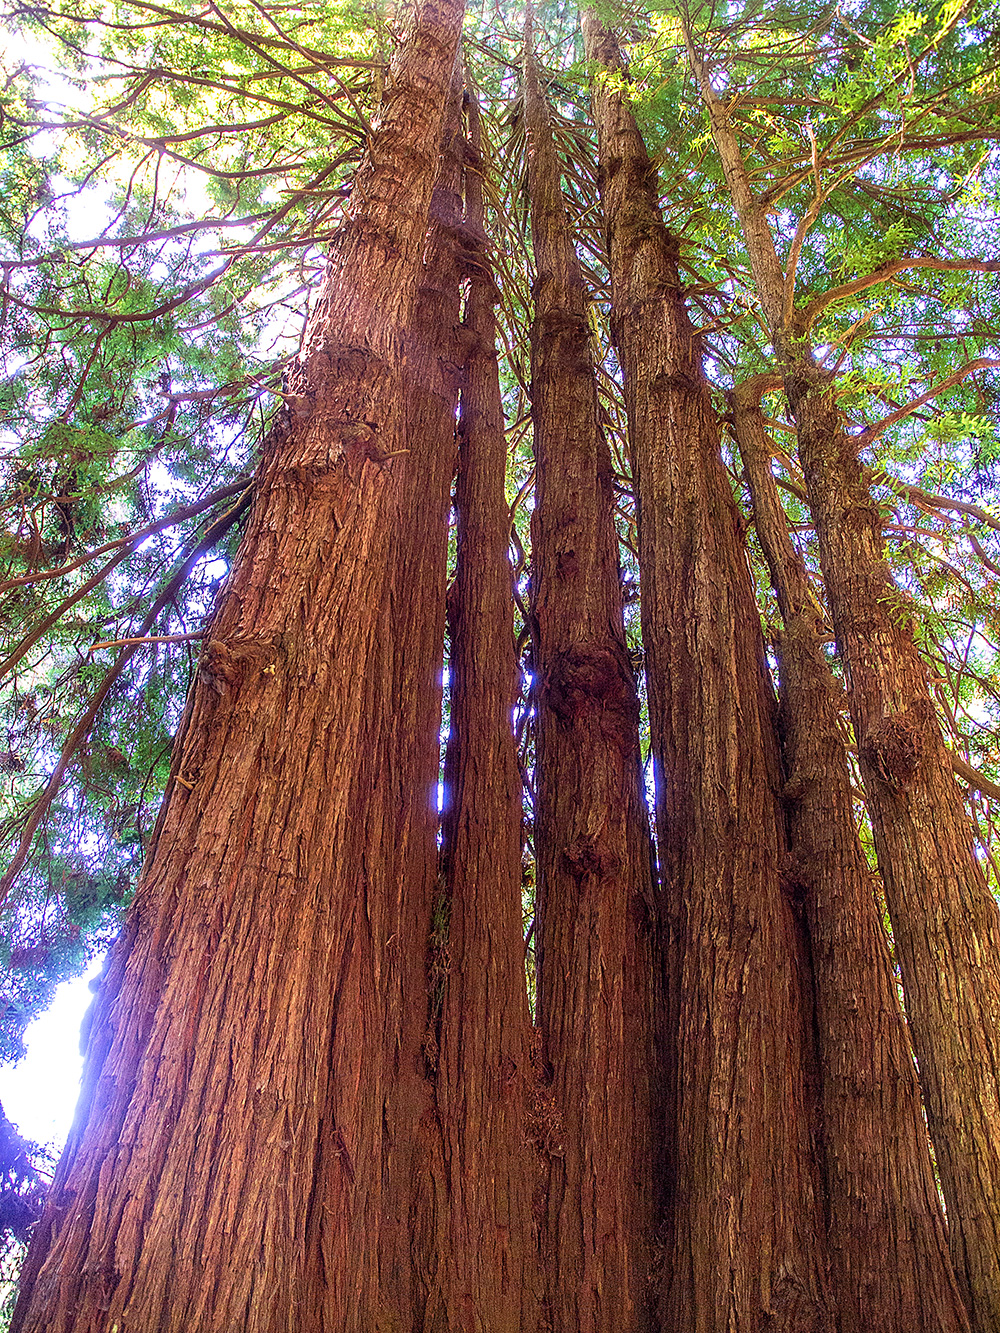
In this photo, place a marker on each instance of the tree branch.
(978, 781)
(86, 721)
(153, 638)
(874, 432)
(133, 540)
(818, 304)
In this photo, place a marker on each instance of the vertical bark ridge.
(434, 351)
(945, 921)
(592, 843)
(745, 1248)
(485, 1277)
(890, 1267)
(240, 1157)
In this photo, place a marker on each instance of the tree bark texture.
(255, 1109)
(480, 1044)
(745, 1244)
(591, 835)
(888, 1245)
(944, 919)
(945, 922)
(434, 344)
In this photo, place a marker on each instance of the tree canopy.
(738, 268)
(171, 176)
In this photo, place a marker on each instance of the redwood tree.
(323, 1089)
(945, 920)
(255, 1121)
(888, 1245)
(746, 1246)
(480, 1042)
(595, 889)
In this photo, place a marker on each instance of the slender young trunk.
(945, 922)
(432, 360)
(244, 1152)
(890, 1267)
(591, 836)
(745, 1235)
(489, 1279)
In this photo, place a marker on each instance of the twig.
(873, 432)
(155, 638)
(86, 721)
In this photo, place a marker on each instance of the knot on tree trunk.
(224, 666)
(590, 680)
(794, 1308)
(894, 746)
(679, 381)
(590, 855)
(565, 334)
(332, 370)
(544, 1122)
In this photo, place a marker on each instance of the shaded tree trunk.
(888, 1245)
(247, 1147)
(745, 1243)
(591, 836)
(490, 1280)
(945, 921)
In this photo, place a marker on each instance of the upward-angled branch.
(767, 271)
(818, 304)
(977, 781)
(132, 540)
(872, 433)
(80, 732)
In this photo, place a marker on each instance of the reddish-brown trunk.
(890, 1268)
(434, 351)
(945, 923)
(488, 1279)
(247, 1147)
(745, 1236)
(944, 920)
(591, 836)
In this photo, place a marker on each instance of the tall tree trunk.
(945, 922)
(245, 1151)
(489, 1279)
(746, 1247)
(944, 919)
(432, 371)
(888, 1245)
(591, 835)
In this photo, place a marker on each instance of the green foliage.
(167, 181)
(169, 178)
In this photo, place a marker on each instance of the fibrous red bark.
(488, 1278)
(945, 922)
(888, 1244)
(745, 1246)
(251, 1134)
(591, 836)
